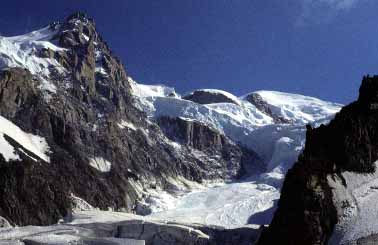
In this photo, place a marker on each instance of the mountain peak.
(368, 92)
(79, 16)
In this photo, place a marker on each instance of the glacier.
(253, 199)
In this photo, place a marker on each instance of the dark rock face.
(260, 104)
(306, 213)
(192, 133)
(205, 97)
(232, 158)
(80, 122)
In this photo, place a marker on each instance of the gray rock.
(260, 104)
(205, 97)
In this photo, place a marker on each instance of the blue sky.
(314, 47)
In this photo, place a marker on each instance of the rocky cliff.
(329, 193)
(232, 159)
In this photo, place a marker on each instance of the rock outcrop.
(206, 96)
(308, 209)
(233, 159)
(260, 104)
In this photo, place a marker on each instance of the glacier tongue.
(253, 200)
(229, 205)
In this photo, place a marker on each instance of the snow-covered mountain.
(78, 133)
(278, 144)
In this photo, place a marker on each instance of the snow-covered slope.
(243, 122)
(33, 143)
(142, 90)
(297, 108)
(25, 51)
(277, 144)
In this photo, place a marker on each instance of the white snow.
(298, 108)
(243, 113)
(100, 164)
(21, 51)
(97, 216)
(229, 205)
(101, 70)
(125, 124)
(7, 150)
(86, 38)
(243, 123)
(160, 200)
(142, 90)
(80, 204)
(32, 143)
(71, 232)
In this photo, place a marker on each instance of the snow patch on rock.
(80, 204)
(125, 124)
(33, 143)
(100, 164)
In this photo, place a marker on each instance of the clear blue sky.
(314, 47)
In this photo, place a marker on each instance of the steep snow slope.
(142, 90)
(33, 143)
(279, 145)
(25, 51)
